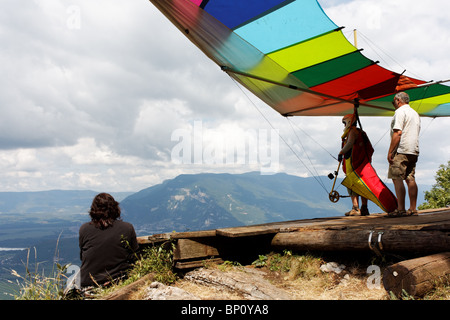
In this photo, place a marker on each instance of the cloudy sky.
(106, 95)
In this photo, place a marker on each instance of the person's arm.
(352, 135)
(395, 140)
(133, 246)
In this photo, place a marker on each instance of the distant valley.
(49, 220)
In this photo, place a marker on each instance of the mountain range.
(209, 201)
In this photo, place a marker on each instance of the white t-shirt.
(407, 120)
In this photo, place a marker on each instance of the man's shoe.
(354, 212)
(397, 213)
(364, 211)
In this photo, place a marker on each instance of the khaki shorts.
(403, 167)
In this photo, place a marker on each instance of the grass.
(154, 259)
(36, 284)
(441, 289)
(305, 265)
(303, 276)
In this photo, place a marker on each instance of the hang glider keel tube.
(229, 70)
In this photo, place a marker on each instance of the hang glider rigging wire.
(375, 47)
(304, 150)
(315, 141)
(317, 178)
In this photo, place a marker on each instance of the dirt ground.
(327, 287)
(303, 281)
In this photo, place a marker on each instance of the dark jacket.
(106, 253)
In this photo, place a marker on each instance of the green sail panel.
(332, 69)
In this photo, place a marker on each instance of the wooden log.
(162, 237)
(416, 276)
(429, 241)
(125, 293)
(322, 240)
(247, 282)
(197, 263)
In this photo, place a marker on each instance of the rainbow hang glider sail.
(293, 57)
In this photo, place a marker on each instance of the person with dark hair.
(107, 244)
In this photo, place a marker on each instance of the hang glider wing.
(294, 58)
(366, 183)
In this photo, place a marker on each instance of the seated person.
(107, 244)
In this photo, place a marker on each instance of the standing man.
(403, 154)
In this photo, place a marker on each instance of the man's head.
(400, 99)
(349, 120)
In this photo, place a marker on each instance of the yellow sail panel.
(353, 182)
(424, 106)
(314, 51)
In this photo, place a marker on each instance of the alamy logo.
(374, 280)
(258, 147)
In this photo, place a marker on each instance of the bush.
(439, 195)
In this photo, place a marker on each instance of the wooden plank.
(268, 228)
(192, 249)
(157, 238)
(196, 263)
(426, 218)
(416, 276)
(153, 239)
(193, 234)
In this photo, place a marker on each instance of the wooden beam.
(126, 292)
(354, 239)
(161, 237)
(196, 263)
(191, 249)
(416, 276)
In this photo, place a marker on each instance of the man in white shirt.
(403, 154)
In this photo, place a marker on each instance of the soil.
(250, 283)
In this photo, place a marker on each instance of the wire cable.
(281, 137)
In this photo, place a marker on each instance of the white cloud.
(415, 34)
(92, 91)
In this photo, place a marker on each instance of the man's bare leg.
(400, 192)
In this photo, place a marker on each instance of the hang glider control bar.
(229, 70)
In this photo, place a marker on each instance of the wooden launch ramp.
(427, 233)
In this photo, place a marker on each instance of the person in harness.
(356, 148)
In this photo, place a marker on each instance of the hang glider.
(362, 178)
(295, 59)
